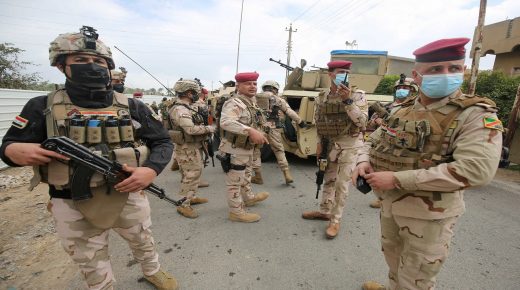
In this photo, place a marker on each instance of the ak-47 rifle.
(322, 164)
(207, 146)
(287, 67)
(86, 163)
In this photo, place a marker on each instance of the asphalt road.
(283, 251)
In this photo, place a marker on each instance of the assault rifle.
(86, 163)
(287, 67)
(381, 111)
(208, 143)
(322, 164)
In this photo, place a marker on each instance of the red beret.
(138, 94)
(204, 91)
(442, 50)
(246, 76)
(339, 64)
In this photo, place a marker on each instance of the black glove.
(302, 124)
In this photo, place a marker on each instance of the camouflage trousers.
(414, 249)
(88, 245)
(238, 183)
(190, 164)
(275, 141)
(257, 158)
(336, 181)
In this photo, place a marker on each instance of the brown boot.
(257, 179)
(288, 176)
(315, 215)
(245, 217)
(198, 200)
(371, 285)
(187, 211)
(261, 196)
(375, 203)
(175, 165)
(163, 281)
(203, 183)
(332, 230)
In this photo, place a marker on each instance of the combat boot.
(261, 196)
(198, 200)
(175, 165)
(257, 179)
(163, 280)
(376, 203)
(288, 176)
(244, 217)
(315, 215)
(371, 285)
(332, 230)
(203, 183)
(187, 211)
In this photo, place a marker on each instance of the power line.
(306, 10)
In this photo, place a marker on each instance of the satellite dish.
(303, 63)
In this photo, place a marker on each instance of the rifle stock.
(322, 164)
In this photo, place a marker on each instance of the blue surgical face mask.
(340, 78)
(440, 86)
(402, 93)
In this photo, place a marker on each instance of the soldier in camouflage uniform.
(118, 79)
(274, 106)
(421, 160)
(341, 117)
(404, 89)
(242, 125)
(88, 99)
(188, 133)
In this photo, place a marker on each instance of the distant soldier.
(188, 132)
(164, 107)
(93, 115)
(118, 79)
(404, 90)
(154, 107)
(275, 108)
(242, 125)
(341, 117)
(421, 160)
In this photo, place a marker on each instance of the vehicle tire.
(266, 153)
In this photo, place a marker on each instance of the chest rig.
(256, 119)
(412, 139)
(332, 119)
(106, 131)
(179, 136)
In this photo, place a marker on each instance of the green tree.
(386, 85)
(11, 69)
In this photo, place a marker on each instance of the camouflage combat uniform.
(460, 143)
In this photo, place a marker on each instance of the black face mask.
(89, 75)
(120, 88)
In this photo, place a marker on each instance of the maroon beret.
(246, 76)
(204, 91)
(442, 50)
(138, 94)
(339, 64)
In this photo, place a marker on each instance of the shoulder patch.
(20, 122)
(493, 122)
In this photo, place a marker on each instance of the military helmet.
(271, 83)
(86, 41)
(404, 81)
(118, 75)
(184, 85)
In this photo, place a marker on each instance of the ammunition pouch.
(237, 140)
(333, 121)
(180, 137)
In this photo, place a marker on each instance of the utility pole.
(289, 49)
(239, 33)
(478, 48)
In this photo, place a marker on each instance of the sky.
(199, 38)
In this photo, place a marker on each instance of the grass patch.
(514, 167)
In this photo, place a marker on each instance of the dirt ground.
(31, 256)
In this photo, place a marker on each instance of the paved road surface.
(283, 251)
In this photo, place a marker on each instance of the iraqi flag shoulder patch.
(493, 122)
(20, 122)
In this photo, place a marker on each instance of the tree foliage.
(494, 85)
(12, 74)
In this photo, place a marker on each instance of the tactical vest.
(106, 131)
(179, 136)
(413, 139)
(258, 122)
(333, 121)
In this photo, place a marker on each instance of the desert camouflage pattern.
(285, 110)
(68, 43)
(342, 154)
(87, 245)
(186, 85)
(118, 75)
(407, 82)
(271, 83)
(418, 216)
(257, 158)
(238, 184)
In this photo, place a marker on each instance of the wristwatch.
(348, 101)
